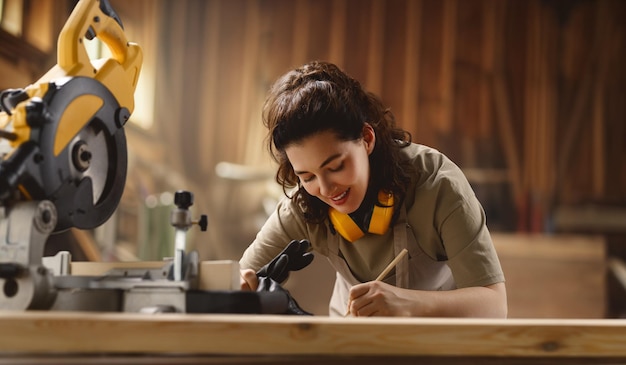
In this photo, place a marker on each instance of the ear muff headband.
(381, 217)
(379, 223)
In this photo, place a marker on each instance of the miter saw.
(64, 166)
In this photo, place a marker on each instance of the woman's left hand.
(248, 281)
(376, 298)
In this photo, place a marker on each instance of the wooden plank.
(616, 288)
(598, 126)
(447, 71)
(503, 109)
(251, 96)
(598, 141)
(125, 333)
(572, 247)
(618, 269)
(319, 36)
(210, 87)
(300, 33)
(38, 25)
(590, 218)
(531, 95)
(87, 244)
(82, 268)
(337, 41)
(376, 50)
(411, 91)
(488, 62)
(576, 118)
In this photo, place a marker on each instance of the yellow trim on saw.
(20, 126)
(77, 114)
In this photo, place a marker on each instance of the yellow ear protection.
(378, 223)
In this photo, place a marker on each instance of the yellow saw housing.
(119, 74)
(66, 130)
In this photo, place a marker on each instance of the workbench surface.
(212, 338)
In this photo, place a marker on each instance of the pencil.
(385, 272)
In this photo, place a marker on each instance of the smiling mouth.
(340, 196)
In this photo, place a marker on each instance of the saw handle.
(90, 19)
(10, 98)
(107, 9)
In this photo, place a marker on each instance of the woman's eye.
(307, 178)
(338, 168)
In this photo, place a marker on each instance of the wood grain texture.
(125, 333)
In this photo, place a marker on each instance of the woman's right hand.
(248, 280)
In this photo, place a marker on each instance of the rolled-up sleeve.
(280, 228)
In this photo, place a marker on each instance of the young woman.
(360, 192)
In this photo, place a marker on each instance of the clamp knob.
(183, 199)
(203, 222)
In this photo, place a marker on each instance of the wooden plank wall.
(526, 96)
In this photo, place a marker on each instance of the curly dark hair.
(318, 97)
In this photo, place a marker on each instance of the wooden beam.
(184, 334)
(598, 126)
(16, 48)
(252, 98)
(504, 115)
(87, 244)
(210, 88)
(447, 69)
(38, 25)
(576, 120)
(590, 218)
(598, 140)
(531, 95)
(337, 41)
(300, 33)
(376, 47)
(410, 95)
(487, 64)
(618, 268)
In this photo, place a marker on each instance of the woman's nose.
(326, 187)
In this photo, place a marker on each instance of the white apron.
(415, 271)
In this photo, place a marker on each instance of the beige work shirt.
(441, 223)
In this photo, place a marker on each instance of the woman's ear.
(369, 138)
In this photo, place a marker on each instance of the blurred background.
(527, 97)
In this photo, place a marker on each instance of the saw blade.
(89, 158)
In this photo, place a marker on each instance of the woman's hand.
(248, 280)
(376, 298)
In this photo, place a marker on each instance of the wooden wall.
(528, 97)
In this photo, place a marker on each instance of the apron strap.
(400, 242)
(338, 262)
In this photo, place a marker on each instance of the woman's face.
(335, 171)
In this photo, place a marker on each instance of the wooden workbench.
(124, 338)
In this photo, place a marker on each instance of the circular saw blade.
(85, 176)
(94, 143)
